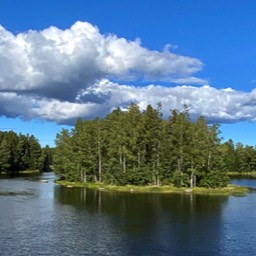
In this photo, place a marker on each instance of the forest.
(133, 147)
(142, 148)
(20, 152)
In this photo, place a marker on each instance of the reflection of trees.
(192, 224)
(174, 223)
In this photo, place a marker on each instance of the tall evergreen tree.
(5, 156)
(64, 165)
(180, 139)
(141, 148)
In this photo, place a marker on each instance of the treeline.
(20, 152)
(141, 148)
(240, 158)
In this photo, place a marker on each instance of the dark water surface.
(45, 219)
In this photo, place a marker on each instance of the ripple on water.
(51, 220)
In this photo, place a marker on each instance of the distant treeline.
(20, 152)
(133, 147)
(141, 148)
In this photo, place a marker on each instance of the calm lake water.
(45, 219)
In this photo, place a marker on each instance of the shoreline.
(20, 172)
(170, 189)
(242, 174)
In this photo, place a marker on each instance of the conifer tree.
(141, 148)
(5, 156)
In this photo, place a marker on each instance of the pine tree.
(134, 147)
(5, 156)
(45, 160)
(64, 165)
(22, 157)
(34, 152)
(180, 138)
(152, 140)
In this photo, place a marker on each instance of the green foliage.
(22, 152)
(5, 156)
(180, 179)
(214, 179)
(134, 147)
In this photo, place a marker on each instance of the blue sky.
(61, 59)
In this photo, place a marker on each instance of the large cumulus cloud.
(59, 75)
(58, 63)
(224, 105)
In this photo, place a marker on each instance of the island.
(133, 150)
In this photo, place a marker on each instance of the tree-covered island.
(20, 153)
(133, 147)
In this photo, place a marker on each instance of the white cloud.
(58, 75)
(222, 106)
(58, 63)
(28, 107)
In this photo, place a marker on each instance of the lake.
(39, 218)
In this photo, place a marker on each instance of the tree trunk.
(157, 165)
(154, 174)
(83, 175)
(192, 179)
(99, 161)
(138, 158)
(180, 168)
(209, 161)
(124, 164)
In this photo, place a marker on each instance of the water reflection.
(155, 224)
(54, 220)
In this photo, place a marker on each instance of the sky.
(62, 59)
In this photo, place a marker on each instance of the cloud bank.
(59, 75)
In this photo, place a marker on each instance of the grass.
(235, 174)
(29, 171)
(229, 190)
(21, 172)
